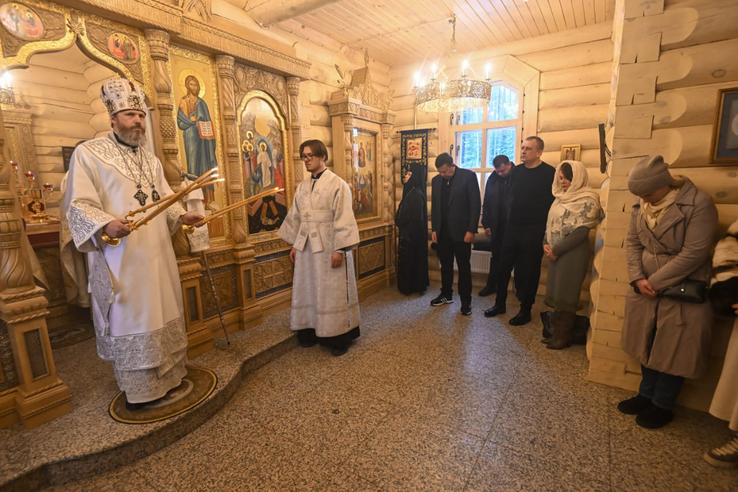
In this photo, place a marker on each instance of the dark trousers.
(447, 251)
(661, 388)
(522, 249)
(494, 262)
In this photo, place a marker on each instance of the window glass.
(468, 149)
(503, 104)
(469, 116)
(501, 141)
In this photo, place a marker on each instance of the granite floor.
(427, 399)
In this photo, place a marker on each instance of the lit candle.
(48, 187)
(14, 164)
(487, 71)
(434, 69)
(464, 66)
(417, 79)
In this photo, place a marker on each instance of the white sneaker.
(726, 456)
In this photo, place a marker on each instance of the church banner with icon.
(413, 149)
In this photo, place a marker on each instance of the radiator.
(479, 262)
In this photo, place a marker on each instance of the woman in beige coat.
(669, 239)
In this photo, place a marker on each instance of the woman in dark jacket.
(412, 222)
(575, 210)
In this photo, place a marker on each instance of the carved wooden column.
(244, 254)
(159, 48)
(348, 145)
(37, 395)
(226, 83)
(389, 176)
(293, 90)
(389, 195)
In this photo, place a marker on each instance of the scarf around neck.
(576, 207)
(652, 212)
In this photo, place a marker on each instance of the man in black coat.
(494, 215)
(455, 208)
(522, 246)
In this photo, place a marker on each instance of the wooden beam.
(270, 13)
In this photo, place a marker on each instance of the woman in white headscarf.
(575, 210)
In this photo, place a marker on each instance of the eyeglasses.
(307, 156)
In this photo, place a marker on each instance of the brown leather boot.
(563, 329)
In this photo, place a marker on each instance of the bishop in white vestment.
(136, 294)
(322, 230)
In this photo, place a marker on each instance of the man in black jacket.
(494, 215)
(455, 210)
(522, 246)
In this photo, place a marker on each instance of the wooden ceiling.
(404, 31)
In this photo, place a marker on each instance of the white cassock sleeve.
(195, 202)
(345, 230)
(291, 223)
(82, 204)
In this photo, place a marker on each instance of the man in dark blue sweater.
(522, 246)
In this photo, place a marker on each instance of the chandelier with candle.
(444, 94)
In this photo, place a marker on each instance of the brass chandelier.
(443, 94)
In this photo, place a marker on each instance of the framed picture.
(198, 125)
(262, 132)
(364, 174)
(725, 131)
(571, 152)
(414, 149)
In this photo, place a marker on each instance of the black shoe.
(494, 311)
(441, 300)
(654, 417)
(309, 343)
(338, 351)
(488, 290)
(635, 405)
(465, 310)
(521, 318)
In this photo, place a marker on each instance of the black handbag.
(688, 290)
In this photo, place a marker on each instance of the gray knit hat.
(648, 175)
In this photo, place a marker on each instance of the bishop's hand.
(192, 218)
(117, 228)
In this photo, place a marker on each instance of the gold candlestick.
(204, 180)
(176, 196)
(189, 229)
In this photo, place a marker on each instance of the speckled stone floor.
(429, 400)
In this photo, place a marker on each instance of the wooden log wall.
(62, 92)
(575, 72)
(668, 74)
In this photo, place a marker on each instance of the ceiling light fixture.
(443, 94)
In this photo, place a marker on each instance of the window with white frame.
(478, 135)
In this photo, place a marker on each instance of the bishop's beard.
(132, 137)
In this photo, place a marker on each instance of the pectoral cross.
(307, 215)
(141, 196)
